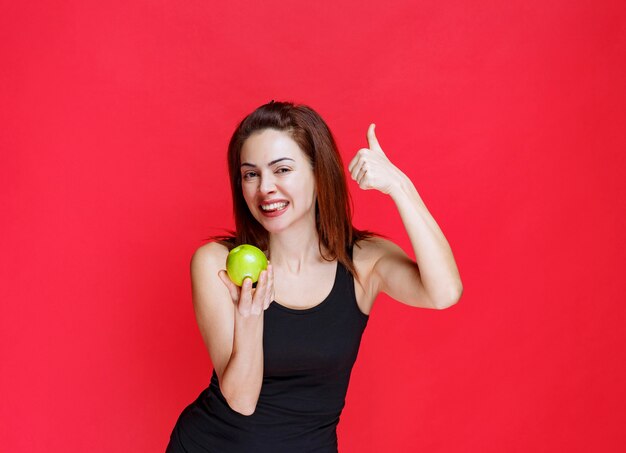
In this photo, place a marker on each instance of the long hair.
(333, 214)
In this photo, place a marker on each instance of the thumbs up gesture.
(371, 169)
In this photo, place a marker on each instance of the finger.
(362, 178)
(372, 140)
(233, 290)
(245, 297)
(259, 291)
(361, 173)
(358, 157)
(357, 168)
(269, 294)
(353, 162)
(259, 295)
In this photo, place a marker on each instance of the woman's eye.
(249, 174)
(283, 170)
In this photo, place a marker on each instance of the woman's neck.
(294, 251)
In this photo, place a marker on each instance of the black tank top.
(308, 358)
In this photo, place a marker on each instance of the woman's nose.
(266, 185)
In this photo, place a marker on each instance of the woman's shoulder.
(366, 253)
(371, 248)
(211, 254)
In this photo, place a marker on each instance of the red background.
(508, 116)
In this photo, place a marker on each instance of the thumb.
(371, 138)
(233, 289)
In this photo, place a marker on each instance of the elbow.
(246, 410)
(241, 406)
(241, 395)
(452, 300)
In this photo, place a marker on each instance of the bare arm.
(230, 320)
(429, 281)
(432, 280)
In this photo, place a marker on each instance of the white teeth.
(273, 206)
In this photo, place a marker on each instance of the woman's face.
(277, 181)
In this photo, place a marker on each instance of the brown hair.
(333, 214)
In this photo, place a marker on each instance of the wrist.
(248, 327)
(402, 187)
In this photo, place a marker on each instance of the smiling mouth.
(274, 206)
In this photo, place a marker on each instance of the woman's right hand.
(251, 301)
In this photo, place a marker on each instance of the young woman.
(283, 351)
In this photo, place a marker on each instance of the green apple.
(245, 261)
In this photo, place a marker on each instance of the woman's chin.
(273, 228)
(280, 224)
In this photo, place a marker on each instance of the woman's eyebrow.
(246, 164)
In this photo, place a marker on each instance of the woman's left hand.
(371, 169)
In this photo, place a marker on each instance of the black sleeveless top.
(308, 358)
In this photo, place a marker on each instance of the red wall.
(508, 116)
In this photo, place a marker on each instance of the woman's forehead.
(268, 145)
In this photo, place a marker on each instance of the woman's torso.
(308, 357)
